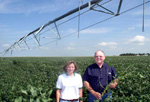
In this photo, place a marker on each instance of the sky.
(78, 35)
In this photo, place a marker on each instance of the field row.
(34, 78)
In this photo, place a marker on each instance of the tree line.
(135, 54)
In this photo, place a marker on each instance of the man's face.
(99, 57)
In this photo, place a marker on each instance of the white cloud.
(6, 45)
(139, 40)
(131, 28)
(95, 31)
(2, 26)
(24, 6)
(70, 48)
(6, 6)
(44, 48)
(108, 44)
(90, 31)
(71, 31)
(146, 23)
(72, 44)
(140, 12)
(140, 43)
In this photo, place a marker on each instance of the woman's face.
(70, 69)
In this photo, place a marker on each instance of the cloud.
(95, 31)
(139, 40)
(6, 45)
(70, 48)
(7, 6)
(2, 25)
(25, 6)
(108, 44)
(140, 12)
(72, 44)
(131, 28)
(70, 31)
(44, 48)
(146, 23)
(91, 31)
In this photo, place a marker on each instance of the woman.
(69, 85)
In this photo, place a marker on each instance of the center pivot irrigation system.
(92, 5)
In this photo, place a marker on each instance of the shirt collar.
(68, 75)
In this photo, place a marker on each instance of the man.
(97, 76)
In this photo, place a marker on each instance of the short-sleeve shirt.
(98, 78)
(69, 86)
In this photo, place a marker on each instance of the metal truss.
(107, 11)
(35, 34)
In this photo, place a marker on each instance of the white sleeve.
(59, 83)
(80, 82)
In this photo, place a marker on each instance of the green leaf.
(24, 92)
(38, 99)
(19, 99)
(50, 92)
(33, 91)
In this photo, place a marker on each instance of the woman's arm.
(80, 94)
(58, 95)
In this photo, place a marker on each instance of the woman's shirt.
(69, 86)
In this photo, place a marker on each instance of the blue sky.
(121, 34)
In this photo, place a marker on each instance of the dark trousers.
(92, 98)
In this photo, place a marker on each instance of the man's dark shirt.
(97, 77)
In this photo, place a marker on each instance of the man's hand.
(113, 85)
(97, 95)
(89, 88)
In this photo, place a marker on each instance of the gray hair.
(100, 51)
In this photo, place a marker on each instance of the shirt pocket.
(109, 77)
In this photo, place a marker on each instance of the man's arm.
(115, 81)
(89, 88)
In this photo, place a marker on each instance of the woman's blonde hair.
(68, 63)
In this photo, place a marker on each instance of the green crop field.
(33, 79)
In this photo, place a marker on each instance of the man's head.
(99, 57)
